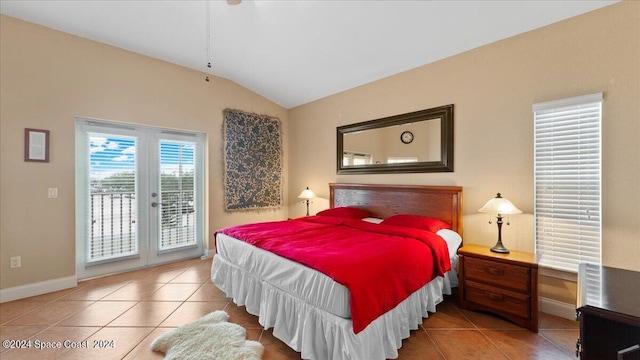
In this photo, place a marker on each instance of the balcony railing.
(177, 221)
(114, 217)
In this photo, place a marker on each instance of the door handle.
(155, 204)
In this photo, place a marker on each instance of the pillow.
(418, 222)
(372, 220)
(452, 239)
(345, 212)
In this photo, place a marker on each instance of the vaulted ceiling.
(294, 52)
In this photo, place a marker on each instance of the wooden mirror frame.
(445, 164)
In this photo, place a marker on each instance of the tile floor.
(128, 311)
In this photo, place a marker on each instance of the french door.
(139, 196)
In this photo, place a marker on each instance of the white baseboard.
(39, 288)
(558, 308)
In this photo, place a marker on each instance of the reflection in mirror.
(411, 142)
(420, 141)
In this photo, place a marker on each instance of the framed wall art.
(36, 145)
(253, 161)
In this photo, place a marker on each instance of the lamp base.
(499, 248)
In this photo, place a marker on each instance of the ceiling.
(295, 52)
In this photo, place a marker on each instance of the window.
(567, 170)
(112, 215)
(401, 159)
(177, 185)
(351, 158)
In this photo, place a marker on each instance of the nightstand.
(504, 284)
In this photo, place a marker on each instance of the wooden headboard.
(382, 201)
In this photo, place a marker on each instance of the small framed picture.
(36, 145)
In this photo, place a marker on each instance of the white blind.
(112, 201)
(567, 181)
(177, 189)
(593, 285)
(351, 158)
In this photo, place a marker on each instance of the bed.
(311, 312)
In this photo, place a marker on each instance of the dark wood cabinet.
(504, 284)
(609, 311)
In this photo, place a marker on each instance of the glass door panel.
(113, 231)
(177, 189)
(177, 201)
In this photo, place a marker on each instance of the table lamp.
(306, 194)
(499, 206)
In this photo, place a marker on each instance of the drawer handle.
(493, 271)
(494, 297)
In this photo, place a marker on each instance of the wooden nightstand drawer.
(497, 299)
(499, 274)
(505, 284)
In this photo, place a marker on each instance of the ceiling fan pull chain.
(208, 38)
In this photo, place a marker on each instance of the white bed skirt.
(317, 334)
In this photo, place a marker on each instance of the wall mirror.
(420, 141)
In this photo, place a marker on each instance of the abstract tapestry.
(253, 161)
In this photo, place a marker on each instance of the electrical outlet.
(16, 262)
(53, 193)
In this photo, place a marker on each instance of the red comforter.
(380, 265)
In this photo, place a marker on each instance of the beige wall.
(47, 79)
(493, 89)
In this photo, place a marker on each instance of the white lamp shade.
(306, 194)
(499, 205)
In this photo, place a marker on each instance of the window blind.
(351, 158)
(593, 288)
(177, 189)
(112, 201)
(567, 170)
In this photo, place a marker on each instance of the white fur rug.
(211, 337)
